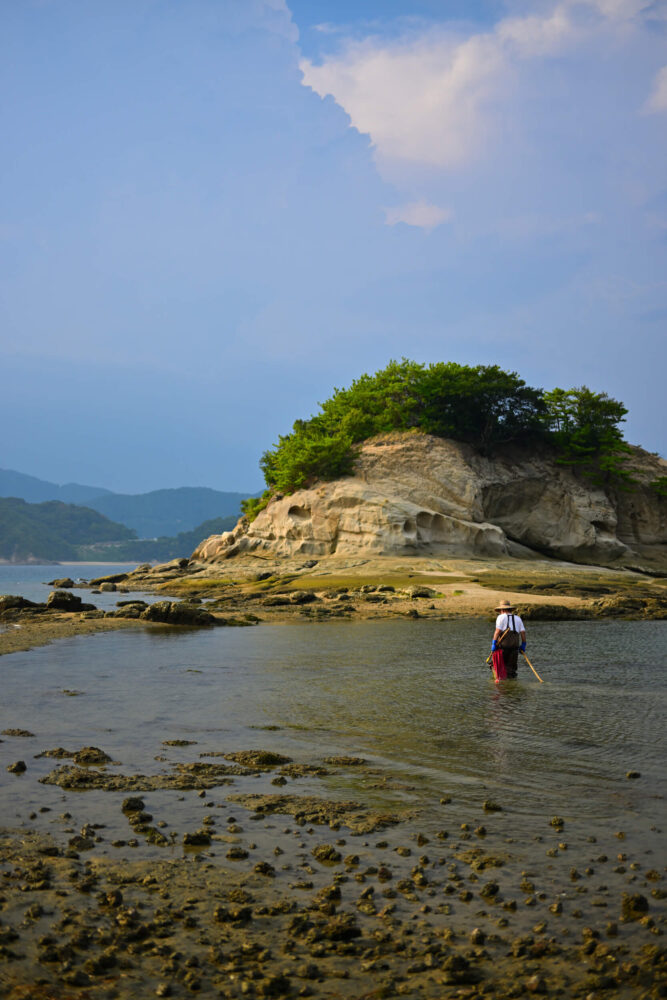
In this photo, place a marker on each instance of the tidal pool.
(414, 697)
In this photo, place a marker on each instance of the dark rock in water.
(63, 581)
(80, 843)
(112, 578)
(489, 806)
(634, 906)
(128, 609)
(17, 732)
(257, 758)
(12, 604)
(62, 600)
(177, 613)
(133, 804)
(198, 839)
(91, 755)
(18, 767)
(326, 854)
(344, 761)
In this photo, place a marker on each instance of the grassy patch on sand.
(589, 585)
(401, 581)
(195, 585)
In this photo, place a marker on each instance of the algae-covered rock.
(178, 613)
(62, 600)
(634, 906)
(258, 758)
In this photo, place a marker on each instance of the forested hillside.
(51, 530)
(163, 513)
(159, 549)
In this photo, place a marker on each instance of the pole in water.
(532, 668)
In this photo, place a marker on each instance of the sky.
(213, 212)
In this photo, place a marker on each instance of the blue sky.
(214, 211)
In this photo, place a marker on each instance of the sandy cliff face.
(413, 493)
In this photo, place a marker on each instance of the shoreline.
(252, 592)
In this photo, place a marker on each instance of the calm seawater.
(413, 697)
(31, 581)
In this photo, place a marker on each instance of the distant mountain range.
(35, 532)
(17, 484)
(158, 514)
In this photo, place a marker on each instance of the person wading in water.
(514, 638)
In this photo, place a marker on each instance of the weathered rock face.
(413, 493)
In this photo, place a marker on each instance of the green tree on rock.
(584, 428)
(482, 405)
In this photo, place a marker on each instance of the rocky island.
(430, 492)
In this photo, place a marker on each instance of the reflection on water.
(414, 696)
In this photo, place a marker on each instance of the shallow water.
(30, 581)
(415, 698)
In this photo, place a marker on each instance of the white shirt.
(504, 621)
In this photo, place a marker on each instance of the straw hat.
(504, 606)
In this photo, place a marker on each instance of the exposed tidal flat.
(341, 809)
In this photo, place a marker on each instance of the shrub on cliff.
(483, 406)
(584, 428)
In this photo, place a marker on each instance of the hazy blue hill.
(168, 512)
(34, 490)
(30, 532)
(160, 549)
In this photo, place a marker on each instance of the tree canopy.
(481, 405)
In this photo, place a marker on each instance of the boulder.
(12, 605)
(62, 600)
(63, 581)
(177, 613)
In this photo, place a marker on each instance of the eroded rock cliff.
(414, 493)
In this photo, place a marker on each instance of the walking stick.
(532, 667)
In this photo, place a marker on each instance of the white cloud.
(536, 36)
(417, 213)
(279, 19)
(658, 99)
(620, 9)
(438, 99)
(421, 101)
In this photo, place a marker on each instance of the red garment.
(499, 669)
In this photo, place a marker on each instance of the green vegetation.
(483, 406)
(659, 486)
(253, 505)
(160, 549)
(584, 428)
(30, 532)
(51, 530)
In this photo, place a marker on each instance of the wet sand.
(245, 877)
(29, 631)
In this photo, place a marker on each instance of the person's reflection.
(504, 704)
